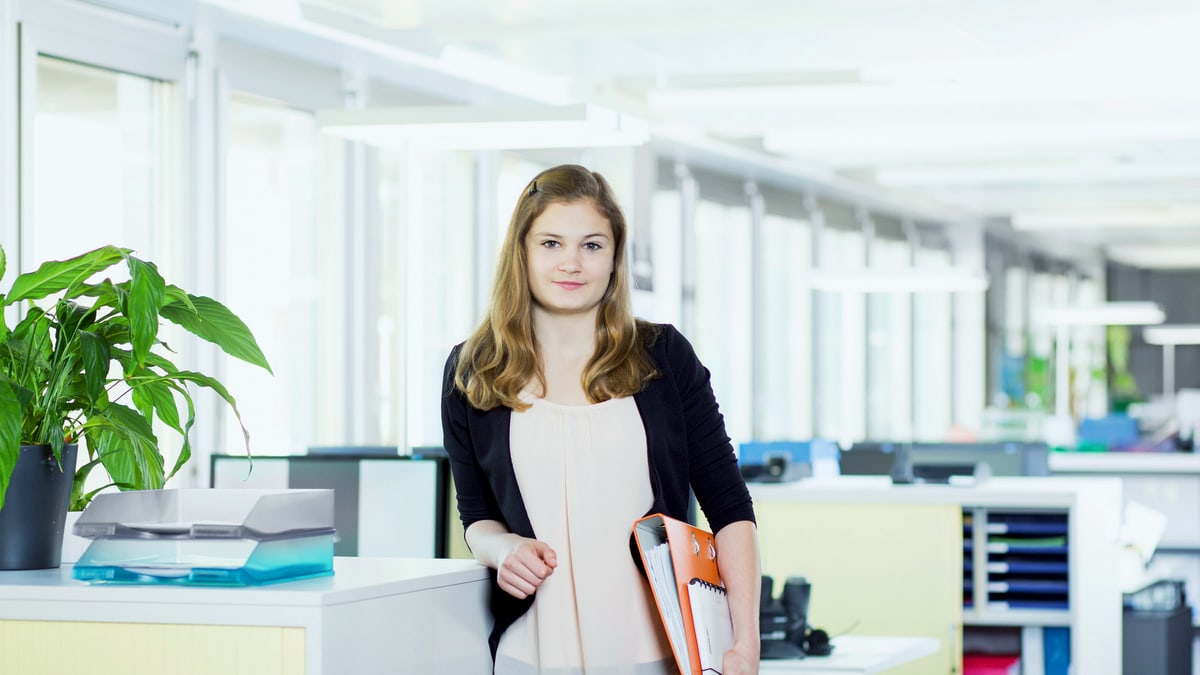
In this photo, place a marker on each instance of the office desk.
(923, 560)
(857, 654)
(374, 615)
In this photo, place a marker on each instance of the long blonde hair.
(502, 356)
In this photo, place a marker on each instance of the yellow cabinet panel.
(875, 569)
(34, 648)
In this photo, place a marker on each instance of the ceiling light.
(1103, 314)
(1176, 334)
(1110, 217)
(1028, 86)
(1156, 256)
(981, 136)
(948, 280)
(486, 127)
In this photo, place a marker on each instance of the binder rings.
(681, 564)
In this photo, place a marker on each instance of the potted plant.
(85, 364)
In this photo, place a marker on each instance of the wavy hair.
(502, 356)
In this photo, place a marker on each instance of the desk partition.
(383, 506)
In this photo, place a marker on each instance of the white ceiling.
(1078, 119)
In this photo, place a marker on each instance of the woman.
(565, 420)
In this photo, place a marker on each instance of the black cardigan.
(685, 438)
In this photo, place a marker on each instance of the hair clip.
(533, 188)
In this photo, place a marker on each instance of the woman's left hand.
(739, 662)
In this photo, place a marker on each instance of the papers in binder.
(681, 566)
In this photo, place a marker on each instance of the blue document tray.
(208, 562)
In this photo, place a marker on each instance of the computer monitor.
(355, 450)
(1004, 458)
(392, 506)
(867, 458)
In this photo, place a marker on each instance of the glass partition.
(784, 399)
(723, 318)
(283, 258)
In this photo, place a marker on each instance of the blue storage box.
(818, 457)
(1112, 431)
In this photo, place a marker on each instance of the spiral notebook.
(710, 617)
(680, 561)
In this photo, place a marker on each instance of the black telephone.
(783, 623)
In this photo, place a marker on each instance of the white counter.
(856, 655)
(374, 615)
(998, 492)
(1125, 462)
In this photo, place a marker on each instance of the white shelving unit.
(1166, 482)
(1088, 508)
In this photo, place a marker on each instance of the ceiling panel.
(997, 109)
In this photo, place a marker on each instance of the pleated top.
(584, 477)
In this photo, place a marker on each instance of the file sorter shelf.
(1019, 563)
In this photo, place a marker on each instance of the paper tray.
(207, 513)
(215, 562)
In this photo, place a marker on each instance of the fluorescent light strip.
(486, 127)
(921, 137)
(1104, 314)
(1168, 256)
(880, 94)
(897, 281)
(1112, 217)
(1031, 173)
(1176, 334)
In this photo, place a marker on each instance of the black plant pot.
(35, 508)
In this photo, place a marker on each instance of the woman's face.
(570, 253)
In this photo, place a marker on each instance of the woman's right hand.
(526, 565)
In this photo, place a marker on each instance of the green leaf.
(177, 295)
(10, 435)
(56, 275)
(95, 363)
(125, 358)
(206, 381)
(147, 292)
(214, 322)
(127, 447)
(3, 262)
(154, 396)
(78, 500)
(185, 452)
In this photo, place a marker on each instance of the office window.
(665, 303)
(784, 399)
(102, 163)
(722, 334)
(931, 311)
(427, 280)
(283, 261)
(1016, 340)
(889, 350)
(840, 334)
(1089, 357)
(104, 171)
(514, 175)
